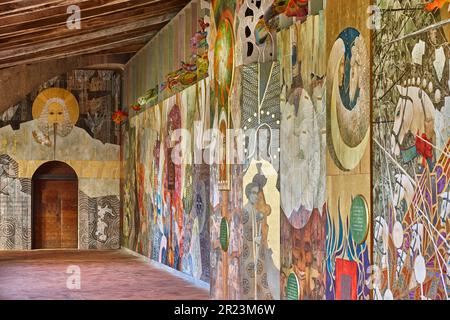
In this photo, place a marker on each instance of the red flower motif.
(119, 116)
(424, 147)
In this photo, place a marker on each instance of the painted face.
(253, 196)
(55, 113)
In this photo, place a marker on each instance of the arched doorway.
(55, 207)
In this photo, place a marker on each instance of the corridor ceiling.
(34, 31)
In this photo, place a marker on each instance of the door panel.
(69, 215)
(55, 214)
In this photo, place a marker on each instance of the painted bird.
(436, 4)
(297, 8)
(204, 25)
(119, 116)
(136, 107)
(189, 67)
(291, 8)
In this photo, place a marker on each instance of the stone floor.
(105, 275)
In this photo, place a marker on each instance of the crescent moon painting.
(349, 100)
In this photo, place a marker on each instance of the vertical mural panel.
(261, 213)
(15, 206)
(411, 152)
(129, 188)
(348, 142)
(226, 176)
(302, 171)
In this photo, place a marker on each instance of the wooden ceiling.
(36, 30)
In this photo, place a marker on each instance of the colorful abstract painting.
(411, 153)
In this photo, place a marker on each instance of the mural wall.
(290, 211)
(80, 104)
(348, 132)
(165, 199)
(167, 89)
(411, 153)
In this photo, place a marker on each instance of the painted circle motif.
(224, 234)
(348, 99)
(397, 235)
(58, 97)
(359, 219)
(292, 287)
(420, 271)
(224, 59)
(7, 228)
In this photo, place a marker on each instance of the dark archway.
(55, 207)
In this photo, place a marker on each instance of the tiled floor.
(105, 275)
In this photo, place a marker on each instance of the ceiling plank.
(87, 50)
(50, 32)
(59, 15)
(18, 6)
(35, 30)
(101, 34)
(58, 40)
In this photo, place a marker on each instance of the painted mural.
(242, 40)
(261, 214)
(348, 251)
(68, 119)
(226, 174)
(296, 219)
(302, 170)
(411, 153)
(173, 60)
(15, 201)
(166, 192)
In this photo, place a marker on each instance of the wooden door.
(55, 218)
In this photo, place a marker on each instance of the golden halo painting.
(348, 104)
(54, 108)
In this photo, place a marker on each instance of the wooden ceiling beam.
(42, 38)
(44, 34)
(23, 6)
(142, 39)
(59, 15)
(32, 31)
(101, 35)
